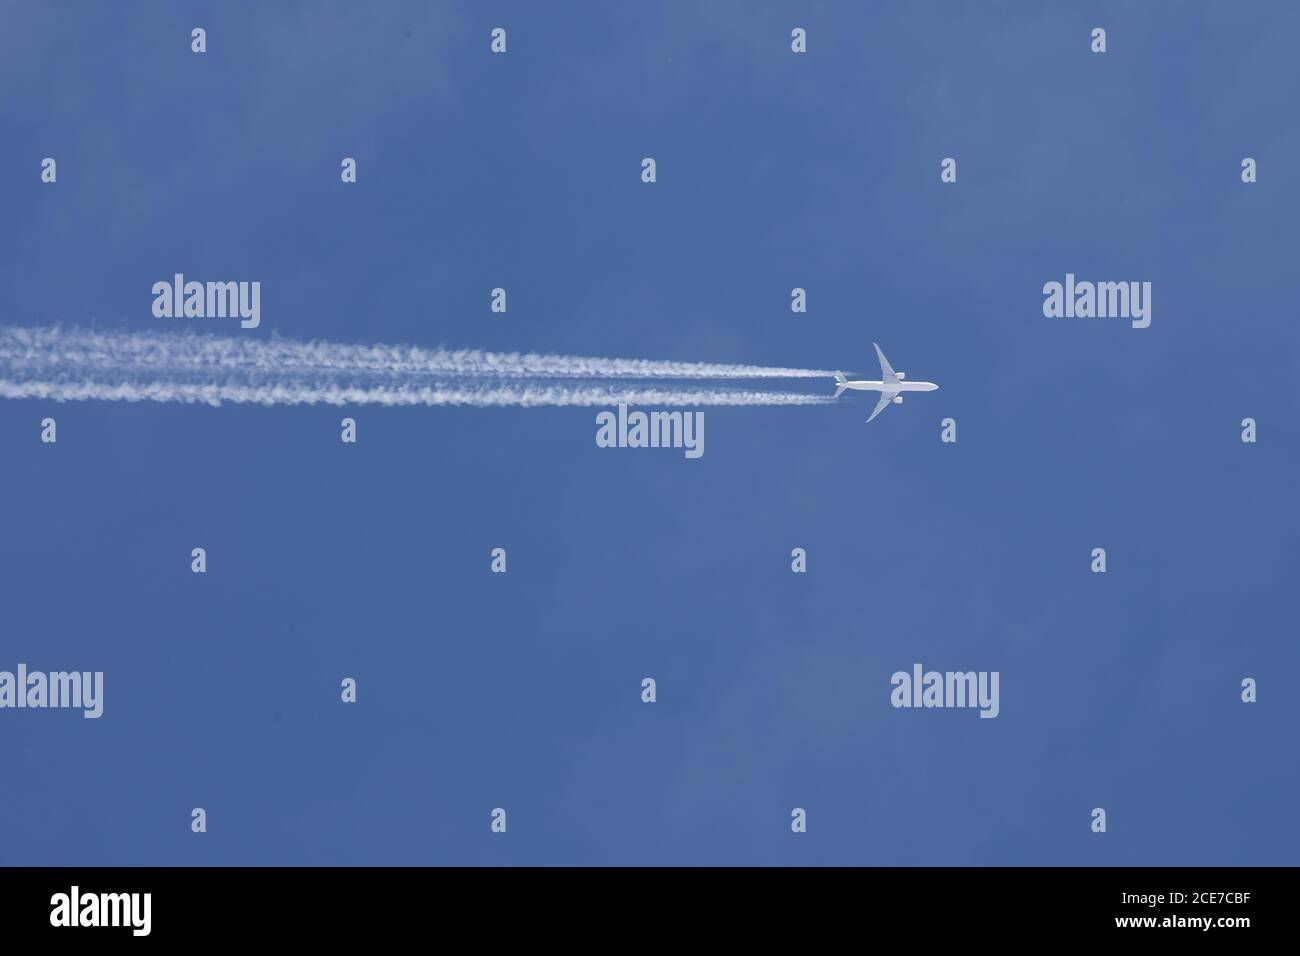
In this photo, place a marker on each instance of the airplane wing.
(885, 399)
(887, 374)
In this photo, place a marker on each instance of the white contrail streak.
(82, 365)
(293, 393)
(33, 348)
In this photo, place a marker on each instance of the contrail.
(214, 393)
(81, 365)
(33, 347)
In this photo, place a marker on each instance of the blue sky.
(522, 690)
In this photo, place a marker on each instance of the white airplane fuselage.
(903, 386)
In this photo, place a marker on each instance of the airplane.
(890, 387)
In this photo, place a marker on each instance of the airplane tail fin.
(840, 385)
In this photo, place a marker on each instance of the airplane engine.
(901, 375)
(898, 399)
